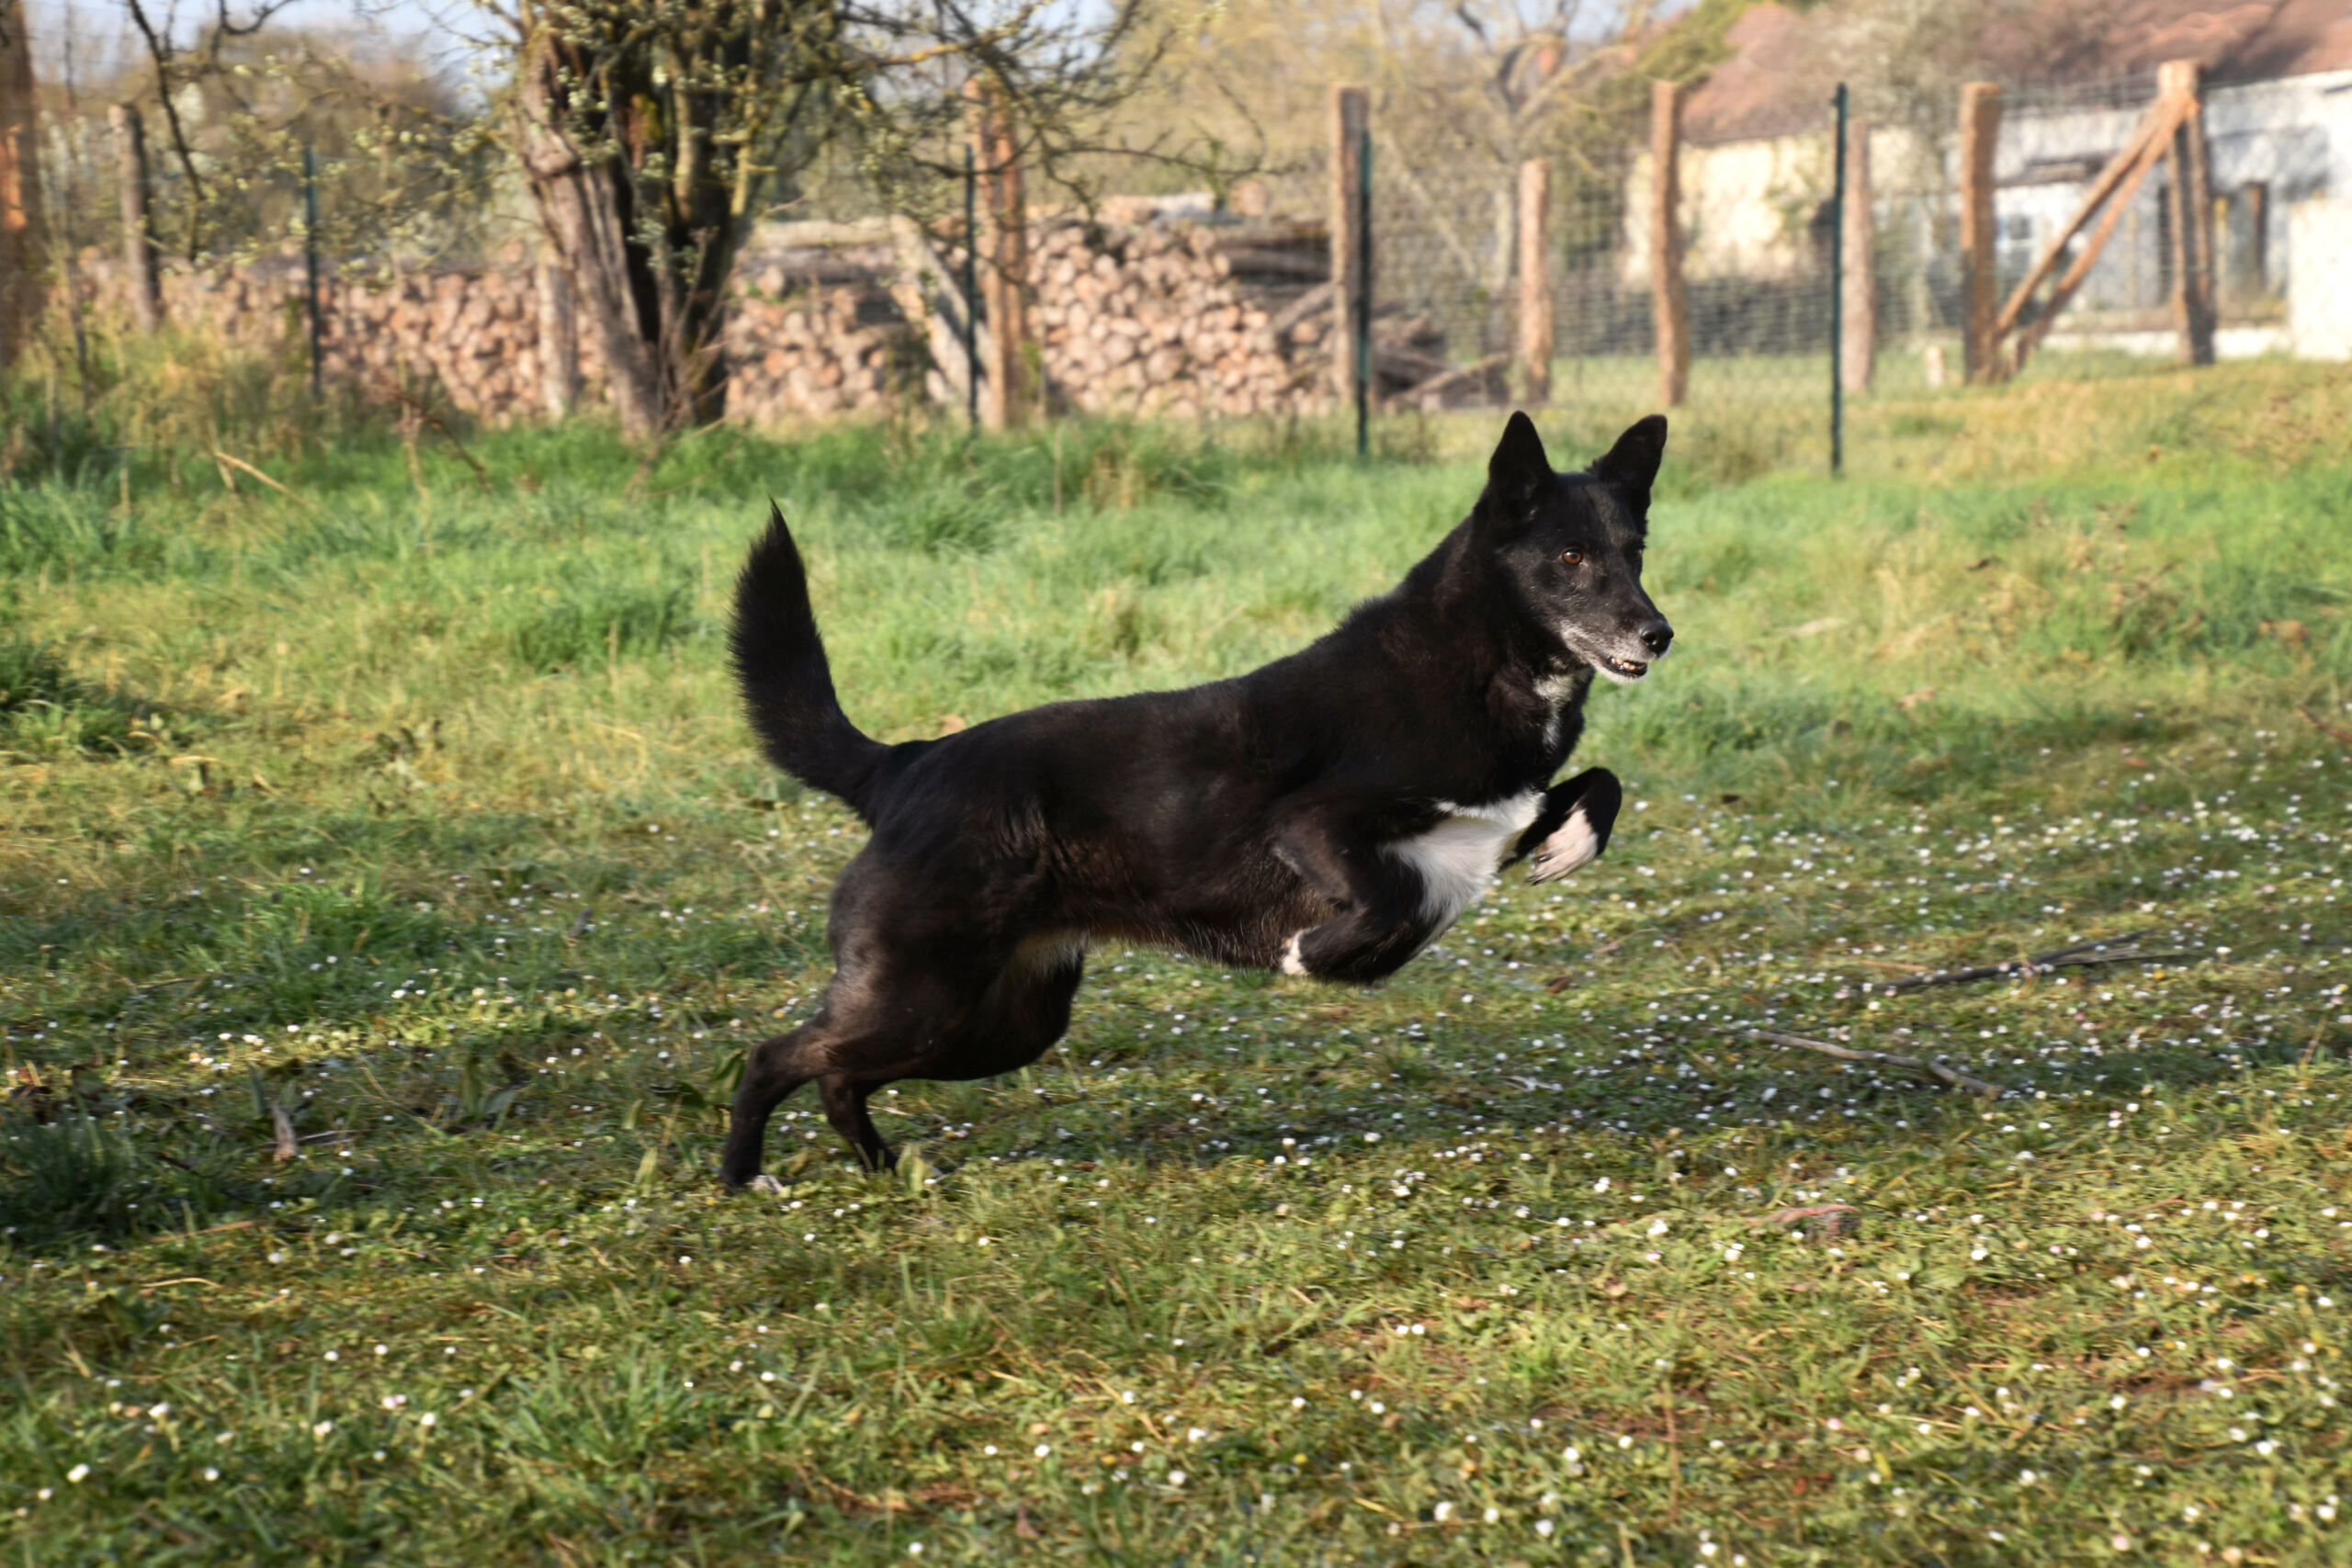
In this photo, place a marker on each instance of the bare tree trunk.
(143, 279)
(23, 227)
(650, 253)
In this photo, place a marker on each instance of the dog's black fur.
(1327, 815)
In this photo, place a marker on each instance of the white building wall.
(2319, 308)
(1747, 205)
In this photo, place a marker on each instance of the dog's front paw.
(1572, 845)
(1292, 962)
(766, 1186)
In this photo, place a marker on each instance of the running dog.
(1328, 815)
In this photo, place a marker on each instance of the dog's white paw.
(1292, 962)
(1573, 844)
(766, 1186)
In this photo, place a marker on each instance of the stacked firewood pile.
(1182, 320)
(1150, 320)
(811, 354)
(474, 336)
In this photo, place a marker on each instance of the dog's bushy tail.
(787, 683)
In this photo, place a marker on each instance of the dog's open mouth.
(1623, 669)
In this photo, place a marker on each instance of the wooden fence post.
(1535, 282)
(1859, 359)
(559, 338)
(143, 282)
(1005, 274)
(1669, 303)
(24, 229)
(2192, 208)
(1980, 128)
(1350, 280)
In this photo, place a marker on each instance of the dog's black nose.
(1658, 636)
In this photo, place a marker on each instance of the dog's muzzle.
(1655, 639)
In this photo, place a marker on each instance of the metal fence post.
(1363, 298)
(311, 253)
(1837, 298)
(1350, 287)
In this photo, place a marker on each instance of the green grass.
(417, 818)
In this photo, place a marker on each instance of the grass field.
(404, 818)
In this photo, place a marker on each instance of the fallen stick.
(2082, 955)
(1952, 1076)
(2340, 736)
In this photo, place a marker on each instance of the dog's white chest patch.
(1554, 690)
(1458, 858)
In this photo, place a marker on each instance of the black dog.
(1328, 815)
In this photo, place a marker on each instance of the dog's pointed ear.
(1631, 465)
(1517, 474)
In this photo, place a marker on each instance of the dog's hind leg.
(844, 1099)
(1015, 1020)
(772, 1070)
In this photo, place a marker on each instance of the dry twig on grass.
(418, 409)
(2082, 955)
(241, 465)
(2341, 736)
(1952, 1076)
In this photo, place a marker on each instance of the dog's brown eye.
(1574, 557)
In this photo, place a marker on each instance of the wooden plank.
(929, 297)
(2119, 204)
(1534, 283)
(1980, 128)
(1670, 301)
(2152, 129)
